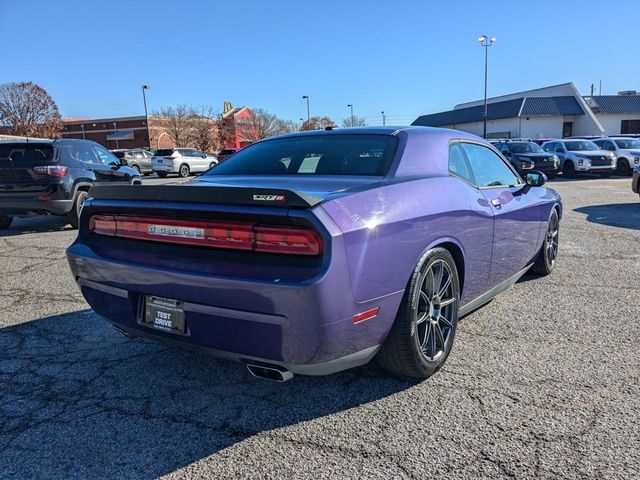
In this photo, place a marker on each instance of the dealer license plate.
(164, 314)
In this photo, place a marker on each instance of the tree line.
(26, 109)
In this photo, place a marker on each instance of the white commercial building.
(550, 112)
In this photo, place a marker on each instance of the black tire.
(73, 217)
(568, 170)
(5, 221)
(184, 170)
(546, 259)
(162, 174)
(136, 168)
(405, 350)
(146, 174)
(622, 167)
(213, 164)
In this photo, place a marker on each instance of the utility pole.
(306, 97)
(486, 42)
(351, 107)
(383, 119)
(146, 115)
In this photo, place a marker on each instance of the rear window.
(165, 153)
(313, 155)
(25, 154)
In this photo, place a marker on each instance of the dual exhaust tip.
(275, 373)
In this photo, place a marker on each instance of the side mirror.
(123, 162)
(204, 155)
(536, 179)
(560, 150)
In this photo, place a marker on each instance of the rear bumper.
(165, 168)
(30, 206)
(307, 327)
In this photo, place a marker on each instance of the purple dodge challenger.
(315, 252)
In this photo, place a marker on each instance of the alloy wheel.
(435, 313)
(551, 240)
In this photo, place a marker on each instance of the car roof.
(56, 141)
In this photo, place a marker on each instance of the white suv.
(578, 156)
(627, 151)
(183, 161)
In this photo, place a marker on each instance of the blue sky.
(404, 57)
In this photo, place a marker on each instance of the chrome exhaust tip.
(270, 372)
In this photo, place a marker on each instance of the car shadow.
(623, 215)
(39, 224)
(79, 400)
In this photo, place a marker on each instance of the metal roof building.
(548, 112)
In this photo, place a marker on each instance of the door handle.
(496, 203)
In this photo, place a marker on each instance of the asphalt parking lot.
(542, 382)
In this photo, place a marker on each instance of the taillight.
(51, 170)
(227, 235)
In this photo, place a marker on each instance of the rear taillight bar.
(227, 235)
(51, 170)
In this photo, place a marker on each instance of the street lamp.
(383, 118)
(486, 42)
(146, 115)
(306, 97)
(351, 107)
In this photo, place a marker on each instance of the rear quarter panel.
(387, 230)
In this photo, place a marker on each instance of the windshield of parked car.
(313, 155)
(525, 147)
(628, 143)
(17, 154)
(581, 145)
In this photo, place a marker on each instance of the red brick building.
(119, 132)
(132, 132)
(239, 124)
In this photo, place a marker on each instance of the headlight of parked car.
(636, 160)
(525, 164)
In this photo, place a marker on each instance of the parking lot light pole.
(146, 115)
(306, 97)
(351, 107)
(486, 42)
(383, 119)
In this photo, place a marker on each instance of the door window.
(84, 153)
(105, 157)
(488, 169)
(458, 165)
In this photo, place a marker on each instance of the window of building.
(630, 126)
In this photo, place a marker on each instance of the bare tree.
(27, 109)
(264, 124)
(177, 123)
(318, 123)
(354, 121)
(205, 122)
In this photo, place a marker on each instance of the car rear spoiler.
(205, 194)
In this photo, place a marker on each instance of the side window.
(504, 149)
(488, 169)
(607, 145)
(458, 164)
(549, 147)
(105, 157)
(84, 153)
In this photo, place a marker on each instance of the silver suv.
(584, 156)
(183, 161)
(626, 150)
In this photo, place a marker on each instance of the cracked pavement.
(543, 382)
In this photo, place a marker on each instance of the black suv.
(54, 176)
(526, 155)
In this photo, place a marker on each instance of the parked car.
(54, 176)
(635, 182)
(213, 159)
(226, 153)
(183, 161)
(626, 150)
(139, 159)
(580, 156)
(526, 155)
(388, 237)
